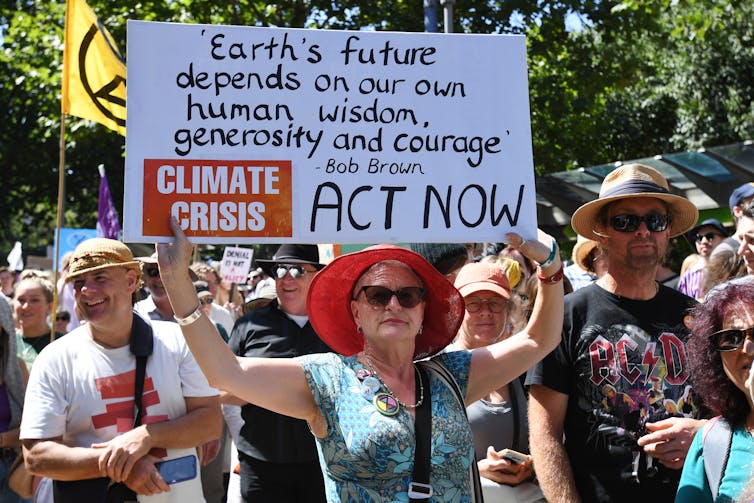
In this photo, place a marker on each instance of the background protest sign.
(235, 264)
(272, 135)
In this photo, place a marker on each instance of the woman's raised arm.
(277, 384)
(498, 364)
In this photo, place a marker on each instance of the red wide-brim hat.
(328, 302)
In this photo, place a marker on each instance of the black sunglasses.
(731, 339)
(408, 296)
(296, 270)
(63, 317)
(629, 223)
(709, 236)
(152, 272)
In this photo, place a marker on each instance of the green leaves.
(634, 78)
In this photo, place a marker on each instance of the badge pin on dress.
(369, 386)
(362, 374)
(386, 404)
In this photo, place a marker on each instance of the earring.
(360, 330)
(421, 328)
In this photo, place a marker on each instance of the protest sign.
(249, 134)
(235, 264)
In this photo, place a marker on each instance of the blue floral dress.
(369, 457)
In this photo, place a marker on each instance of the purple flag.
(107, 216)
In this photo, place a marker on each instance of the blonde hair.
(511, 267)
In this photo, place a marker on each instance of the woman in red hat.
(381, 310)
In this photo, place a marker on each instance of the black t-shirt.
(267, 332)
(623, 363)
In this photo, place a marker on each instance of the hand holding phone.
(178, 469)
(514, 457)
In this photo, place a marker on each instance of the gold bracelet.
(191, 318)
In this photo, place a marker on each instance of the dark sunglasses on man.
(296, 271)
(731, 339)
(63, 317)
(708, 236)
(656, 222)
(408, 296)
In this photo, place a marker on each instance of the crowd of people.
(434, 372)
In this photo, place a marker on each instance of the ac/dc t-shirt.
(622, 363)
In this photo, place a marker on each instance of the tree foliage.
(627, 79)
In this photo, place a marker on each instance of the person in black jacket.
(277, 453)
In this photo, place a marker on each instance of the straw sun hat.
(100, 253)
(632, 181)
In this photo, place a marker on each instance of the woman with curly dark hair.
(721, 350)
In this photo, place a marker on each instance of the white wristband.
(191, 318)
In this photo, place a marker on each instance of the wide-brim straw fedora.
(634, 181)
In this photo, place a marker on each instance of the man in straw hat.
(627, 331)
(79, 428)
(277, 453)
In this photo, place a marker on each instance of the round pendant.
(386, 404)
(362, 374)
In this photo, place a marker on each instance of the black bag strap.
(443, 374)
(142, 344)
(716, 442)
(420, 489)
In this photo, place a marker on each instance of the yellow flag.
(94, 72)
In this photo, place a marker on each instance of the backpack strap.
(142, 344)
(716, 441)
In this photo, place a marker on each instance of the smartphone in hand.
(514, 457)
(178, 469)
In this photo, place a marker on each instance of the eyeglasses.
(495, 305)
(256, 276)
(63, 317)
(296, 271)
(629, 223)
(206, 300)
(408, 296)
(709, 236)
(152, 272)
(731, 339)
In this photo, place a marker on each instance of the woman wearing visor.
(721, 350)
(380, 310)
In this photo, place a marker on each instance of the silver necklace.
(418, 377)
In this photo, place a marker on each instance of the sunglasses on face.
(206, 300)
(629, 223)
(494, 305)
(296, 271)
(152, 272)
(408, 296)
(731, 339)
(256, 276)
(709, 237)
(63, 317)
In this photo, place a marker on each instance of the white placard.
(250, 134)
(236, 263)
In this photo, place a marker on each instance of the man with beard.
(626, 331)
